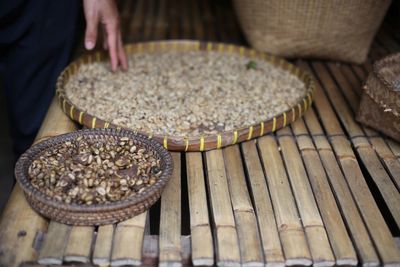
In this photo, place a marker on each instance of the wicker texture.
(98, 214)
(380, 103)
(332, 29)
(193, 143)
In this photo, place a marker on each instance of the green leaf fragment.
(251, 65)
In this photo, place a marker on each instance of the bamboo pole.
(103, 245)
(377, 142)
(201, 239)
(128, 241)
(314, 228)
(79, 244)
(290, 229)
(262, 202)
(246, 223)
(370, 213)
(227, 245)
(368, 156)
(339, 239)
(54, 244)
(18, 219)
(348, 207)
(170, 219)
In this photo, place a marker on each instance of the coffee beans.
(89, 171)
(185, 94)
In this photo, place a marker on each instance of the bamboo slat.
(395, 147)
(290, 229)
(318, 242)
(79, 244)
(18, 219)
(170, 219)
(335, 227)
(262, 202)
(246, 223)
(372, 217)
(227, 245)
(368, 156)
(103, 245)
(54, 244)
(161, 21)
(348, 207)
(377, 142)
(135, 27)
(128, 241)
(201, 239)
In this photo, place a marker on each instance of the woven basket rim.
(202, 142)
(393, 59)
(23, 163)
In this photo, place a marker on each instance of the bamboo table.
(322, 191)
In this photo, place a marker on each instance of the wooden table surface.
(322, 191)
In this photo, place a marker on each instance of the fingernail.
(89, 45)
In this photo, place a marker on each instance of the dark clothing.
(36, 40)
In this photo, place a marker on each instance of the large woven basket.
(332, 29)
(380, 102)
(98, 214)
(193, 143)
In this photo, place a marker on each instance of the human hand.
(105, 12)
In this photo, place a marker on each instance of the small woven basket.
(98, 214)
(380, 102)
(331, 29)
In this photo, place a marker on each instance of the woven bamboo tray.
(98, 214)
(192, 143)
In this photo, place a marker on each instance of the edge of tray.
(206, 142)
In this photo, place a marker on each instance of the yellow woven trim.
(71, 112)
(284, 119)
(299, 107)
(262, 129)
(273, 124)
(64, 101)
(97, 56)
(202, 143)
(209, 46)
(252, 53)
(186, 144)
(165, 142)
(128, 49)
(309, 99)
(219, 141)
(151, 47)
(140, 48)
(289, 67)
(163, 46)
(305, 104)
(297, 72)
(293, 115)
(106, 125)
(221, 47)
(80, 117)
(230, 48)
(241, 51)
(235, 137)
(250, 133)
(94, 122)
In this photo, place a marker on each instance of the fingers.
(92, 20)
(111, 30)
(121, 53)
(106, 13)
